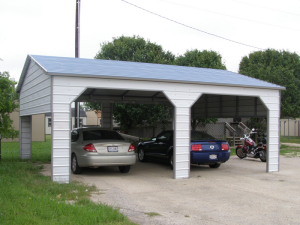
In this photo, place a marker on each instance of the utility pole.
(77, 48)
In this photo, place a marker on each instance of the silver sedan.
(94, 147)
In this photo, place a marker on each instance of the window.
(74, 135)
(100, 135)
(164, 137)
(49, 122)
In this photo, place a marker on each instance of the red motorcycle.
(250, 149)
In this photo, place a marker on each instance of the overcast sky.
(48, 27)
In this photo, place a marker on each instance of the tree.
(131, 115)
(134, 49)
(90, 106)
(204, 59)
(278, 67)
(9, 99)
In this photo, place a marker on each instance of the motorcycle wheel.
(239, 152)
(263, 156)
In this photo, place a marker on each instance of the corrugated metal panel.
(144, 71)
(182, 103)
(35, 91)
(25, 149)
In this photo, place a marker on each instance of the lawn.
(27, 197)
(291, 139)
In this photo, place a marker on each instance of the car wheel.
(124, 169)
(239, 152)
(171, 160)
(142, 155)
(74, 165)
(262, 156)
(216, 165)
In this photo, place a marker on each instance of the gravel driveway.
(239, 192)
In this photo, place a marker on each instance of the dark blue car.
(205, 149)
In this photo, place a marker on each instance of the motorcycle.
(250, 149)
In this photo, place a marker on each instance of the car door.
(163, 142)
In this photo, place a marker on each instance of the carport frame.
(51, 84)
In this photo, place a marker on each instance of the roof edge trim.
(170, 81)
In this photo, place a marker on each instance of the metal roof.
(66, 66)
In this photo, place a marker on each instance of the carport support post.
(182, 103)
(25, 137)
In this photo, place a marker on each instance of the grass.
(291, 139)
(289, 151)
(28, 197)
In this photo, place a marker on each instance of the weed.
(152, 214)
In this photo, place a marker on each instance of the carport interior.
(207, 106)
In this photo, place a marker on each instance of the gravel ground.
(239, 192)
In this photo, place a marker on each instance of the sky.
(48, 27)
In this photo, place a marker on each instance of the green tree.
(278, 67)
(134, 49)
(203, 59)
(9, 99)
(90, 106)
(132, 115)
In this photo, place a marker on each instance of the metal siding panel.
(66, 90)
(61, 161)
(61, 152)
(64, 98)
(59, 134)
(61, 178)
(61, 170)
(25, 137)
(182, 157)
(35, 92)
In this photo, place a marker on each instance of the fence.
(290, 127)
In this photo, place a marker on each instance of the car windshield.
(101, 135)
(197, 135)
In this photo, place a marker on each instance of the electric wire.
(235, 17)
(227, 39)
(277, 10)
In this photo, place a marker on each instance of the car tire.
(124, 169)
(141, 155)
(171, 160)
(216, 165)
(239, 152)
(74, 165)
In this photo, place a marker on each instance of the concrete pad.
(239, 192)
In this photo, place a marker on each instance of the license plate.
(213, 156)
(112, 148)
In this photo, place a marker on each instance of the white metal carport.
(51, 84)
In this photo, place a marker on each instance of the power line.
(277, 10)
(192, 27)
(222, 14)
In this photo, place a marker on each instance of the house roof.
(81, 113)
(65, 66)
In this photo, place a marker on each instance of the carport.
(50, 84)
